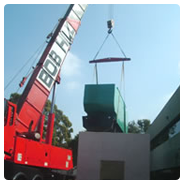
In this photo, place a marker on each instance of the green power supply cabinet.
(105, 108)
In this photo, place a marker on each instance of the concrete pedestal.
(103, 155)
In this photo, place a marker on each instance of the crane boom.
(33, 99)
(27, 153)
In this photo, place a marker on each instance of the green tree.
(73, 144)
(143, 124)
(14, 98)
(62, 128)
(62, 125)
(133, 127)
(140, 126)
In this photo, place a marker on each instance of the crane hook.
(110, 25)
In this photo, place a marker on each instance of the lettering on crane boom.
(59, 49)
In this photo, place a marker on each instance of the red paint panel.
(59, 157)
(37, 96)
(19, 150)
(9, 130)
(9, 133)
(29, 114)
(33, 153)
(37, 154)
(74, 23)
(41, 155)
(32, 107)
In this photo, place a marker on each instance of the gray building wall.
(132, 149)
(170, 111)
(167, 155)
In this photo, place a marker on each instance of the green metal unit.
(105, 108)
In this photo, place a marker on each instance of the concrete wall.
(132, 149)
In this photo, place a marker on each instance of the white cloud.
(71, 66)
(71, 70)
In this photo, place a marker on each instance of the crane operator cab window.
(12, 109)
(5, 111)
(9, 113)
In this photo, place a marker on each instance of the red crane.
(27, 155)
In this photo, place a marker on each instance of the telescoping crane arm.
(35, 95)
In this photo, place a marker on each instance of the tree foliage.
(143, 124)
(140, 126)
(62, 125)
(133, 127)
(14, 98)
(73, 144)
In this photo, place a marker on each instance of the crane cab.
(9, 113)
(9, 127)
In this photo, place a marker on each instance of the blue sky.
(148, 34)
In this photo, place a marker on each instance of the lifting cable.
(122, 71)
(32, 68)
(122, 80)
(110, 24)
(34, 61)
(35, 55)
(96, 70)
(36, 52)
